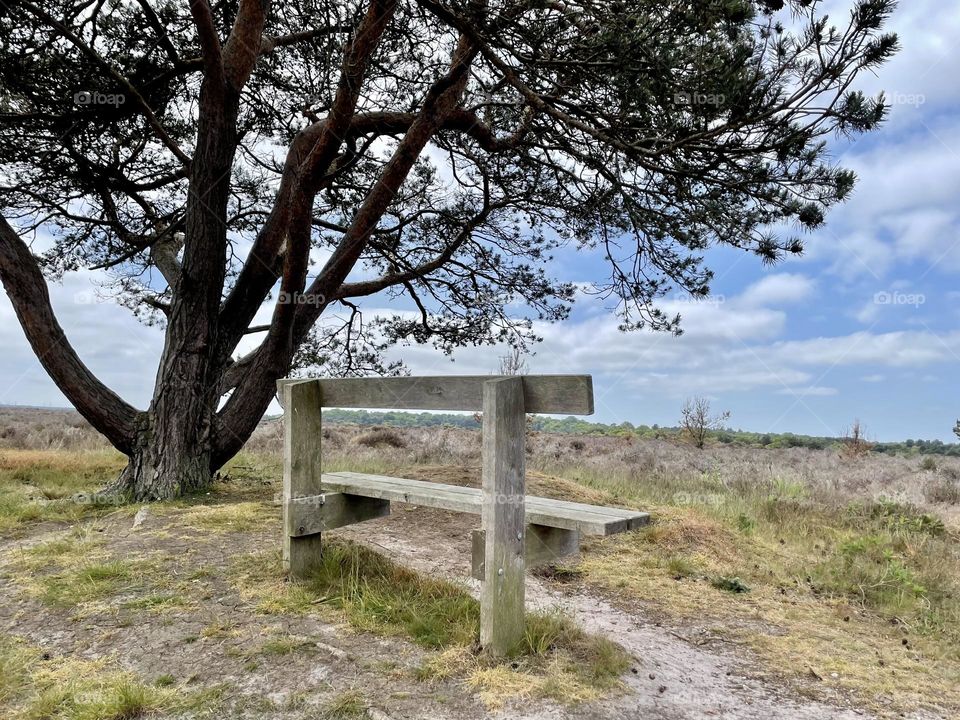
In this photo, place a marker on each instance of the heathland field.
(771, 583)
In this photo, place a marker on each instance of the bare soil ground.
(851, 611)
(219, 640)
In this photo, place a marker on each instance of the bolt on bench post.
(504, 441)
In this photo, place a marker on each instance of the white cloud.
(869, 313)
(778, 288)
(711, 357)
(810, 391)
(118, 349)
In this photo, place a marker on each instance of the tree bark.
(176, 445)
(27, 290)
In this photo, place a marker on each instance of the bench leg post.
(301, 471)
(504, 446)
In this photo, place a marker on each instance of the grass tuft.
(376, 595)
(730, 584)
(345, 705)
(63, 688)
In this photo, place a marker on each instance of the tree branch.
(208, 36)
(152, 119)
(243, 46)
(370, 287)
(27, 290)
(309, 157)
(253, 392)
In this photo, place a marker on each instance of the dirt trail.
(680, 674)
(696, 682)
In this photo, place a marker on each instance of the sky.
(865, 325)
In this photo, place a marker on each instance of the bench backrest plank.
(560, 394)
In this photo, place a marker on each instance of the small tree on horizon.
(220, 161)
(696, 420)
(514, 362)
(854, 443)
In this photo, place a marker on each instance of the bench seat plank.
(587, 519)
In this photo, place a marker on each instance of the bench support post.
(503, 520)
(301, 471)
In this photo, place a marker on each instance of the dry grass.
(382, 437)
(373, 594)
(54, 485)
(42, 429)
(852, 564)
(36, 686)
(226, 518)
(345, 705)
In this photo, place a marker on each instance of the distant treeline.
(577, 426)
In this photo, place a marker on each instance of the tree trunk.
(173, 449)
(171, 455)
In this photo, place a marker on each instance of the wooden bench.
(517, 531)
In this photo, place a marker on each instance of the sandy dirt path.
(674, 678)
(681, 673)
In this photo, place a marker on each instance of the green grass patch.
(75, 570)
(97, 579)
(730, 584)
(156, 602)
(34, 686)
(378, 595)
(284, 646)
(372, 593)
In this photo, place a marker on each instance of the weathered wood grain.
(543, 546)
(329, 511)
(564, 394)
(301, 471)
(502, 618)
(585, 519)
